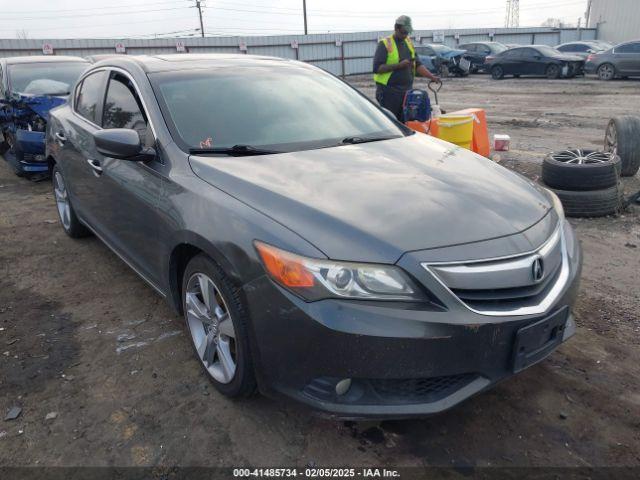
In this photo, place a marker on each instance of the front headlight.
(557, 204)
(315, 279)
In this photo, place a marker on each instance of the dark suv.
(316, 248)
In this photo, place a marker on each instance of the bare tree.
(22, 34)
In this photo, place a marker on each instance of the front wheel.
(67, 215)
(553, 71)
(216, 319)
(497, 73)
(606, 72)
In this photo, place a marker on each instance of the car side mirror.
(123, 144)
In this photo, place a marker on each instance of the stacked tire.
(586, 181)
(623, 139)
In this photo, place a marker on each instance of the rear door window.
(90, 95)
(628, 48)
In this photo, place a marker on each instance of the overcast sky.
(148, 18)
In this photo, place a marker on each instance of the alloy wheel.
(582, 157)
(611, 139)
(211, 327)
(62, 200)
(606, 72)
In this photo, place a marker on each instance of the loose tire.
(623, 138)
(216, 320)
(581, 170)
(553, 71)
(497, 73)
(66, 213)
(594, 203)
(606, 72)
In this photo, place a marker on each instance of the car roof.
(577, 42)
(195, 61)
(44, 59)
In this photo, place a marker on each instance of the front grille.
(367, 391)
(480, 296)
(509, 285)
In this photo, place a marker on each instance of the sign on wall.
(47, 49)
(294, 44)
(242, 46)
(438, 37)
(338, 43)
(181, 47)
(120, 48)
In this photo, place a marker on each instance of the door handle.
(60, 138)
(95, 164)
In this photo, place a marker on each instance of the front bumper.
(30, 157)
(403, 359)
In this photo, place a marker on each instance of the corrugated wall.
(341, 54)
(617, 21)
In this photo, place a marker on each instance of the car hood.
(40, 104)
(375, 201)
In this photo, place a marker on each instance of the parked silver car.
(620, 61)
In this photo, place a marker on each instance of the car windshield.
(548, 51)
(55, 78)
(441, 49)
(284, 108)
(497, 47)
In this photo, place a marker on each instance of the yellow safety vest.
(393, 57)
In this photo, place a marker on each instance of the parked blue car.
(443, 60)
(29, 88)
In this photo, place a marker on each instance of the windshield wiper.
(235, 151)
(355, 139)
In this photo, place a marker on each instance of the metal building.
(617, 21)
(339, 53)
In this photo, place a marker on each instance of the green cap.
(405, 21)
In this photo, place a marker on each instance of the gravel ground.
(105, 376)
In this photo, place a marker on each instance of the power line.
(111, 7)
(94, 14)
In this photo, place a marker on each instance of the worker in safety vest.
(394, 65)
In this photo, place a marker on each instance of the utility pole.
(200, 15)
(304, 13)
(512, 18)
(587, 14)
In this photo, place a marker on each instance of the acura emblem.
(537, 269)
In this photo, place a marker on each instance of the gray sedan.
(316, 248)
(620, 61)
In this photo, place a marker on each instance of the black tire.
(623, 137)
(553, 71)
(580, 177)
(74, 228)
(594, 203)
(243, 382)
(606, 72)
(497, 73)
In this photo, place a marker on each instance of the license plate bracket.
(536, 340)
